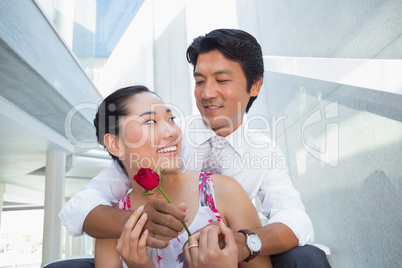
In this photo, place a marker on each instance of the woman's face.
(150, 137)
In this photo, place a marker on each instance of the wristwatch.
(253, 243)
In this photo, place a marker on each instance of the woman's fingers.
(206, 234)
(190, 249)
(142, 244)
(136, 232)
(213, 240)
(230, 242)
(128, 227)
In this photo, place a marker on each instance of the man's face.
(221, 92)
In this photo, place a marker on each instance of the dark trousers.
(72, 263)
(299, 257)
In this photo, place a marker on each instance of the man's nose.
(210, 91)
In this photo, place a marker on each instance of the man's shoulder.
(256, 137)
(113, 170)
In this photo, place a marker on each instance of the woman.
(139, 132)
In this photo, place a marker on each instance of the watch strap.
(253, 254)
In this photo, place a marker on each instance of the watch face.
(254, 243)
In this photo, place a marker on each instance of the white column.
(2, 187)
(54, 196)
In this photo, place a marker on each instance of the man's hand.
(164, 222)
(203, 248)
(242, 249)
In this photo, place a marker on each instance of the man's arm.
(106, 222)
(105, 189)
(240, 213)
(164, 220)
(288, 224)
(276, 238)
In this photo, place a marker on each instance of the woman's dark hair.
(111, 110)
(236, 45)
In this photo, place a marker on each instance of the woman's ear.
(256, 87)
(113, 144)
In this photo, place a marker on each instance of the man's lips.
(212, 108)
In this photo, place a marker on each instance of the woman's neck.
(178, 186)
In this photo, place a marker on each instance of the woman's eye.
(172, 118)
(150, 121)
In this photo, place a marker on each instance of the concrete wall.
(131, 62)
(171, 68)
(353, 196)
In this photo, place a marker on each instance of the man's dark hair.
(236, 45)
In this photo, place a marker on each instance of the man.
(228, 70)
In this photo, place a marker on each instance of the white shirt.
(251, 158)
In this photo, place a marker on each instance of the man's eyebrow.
(215, 73)
(197, 74)
(222, 72)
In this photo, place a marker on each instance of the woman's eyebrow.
(147, 113)
(152, 113)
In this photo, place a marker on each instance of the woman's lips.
(168, 150)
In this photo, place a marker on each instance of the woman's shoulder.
(225, 184)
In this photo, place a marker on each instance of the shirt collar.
(196, 132)
(236, 139)
(199, 133)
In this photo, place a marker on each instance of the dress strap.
(206, 190)
(125, 203)
(207, 196)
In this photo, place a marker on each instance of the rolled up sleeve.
(280, 202)
(105, 189)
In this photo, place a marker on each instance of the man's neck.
(225, 130)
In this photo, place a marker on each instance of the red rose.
(147, 179)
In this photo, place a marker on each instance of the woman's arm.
(106, 254)
(238, 211)
(131, 246)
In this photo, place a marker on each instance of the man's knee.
(307, 256)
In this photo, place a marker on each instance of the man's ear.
(113, 144)
(256, 87)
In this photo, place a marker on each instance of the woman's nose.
(170, 130)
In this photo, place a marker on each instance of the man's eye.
(222, 81)
(150, 121)
(199, 82)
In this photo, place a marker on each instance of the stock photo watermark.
(327, 150)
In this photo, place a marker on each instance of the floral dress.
(173, 256)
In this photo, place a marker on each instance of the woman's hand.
(132, 245)
(202, 248)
